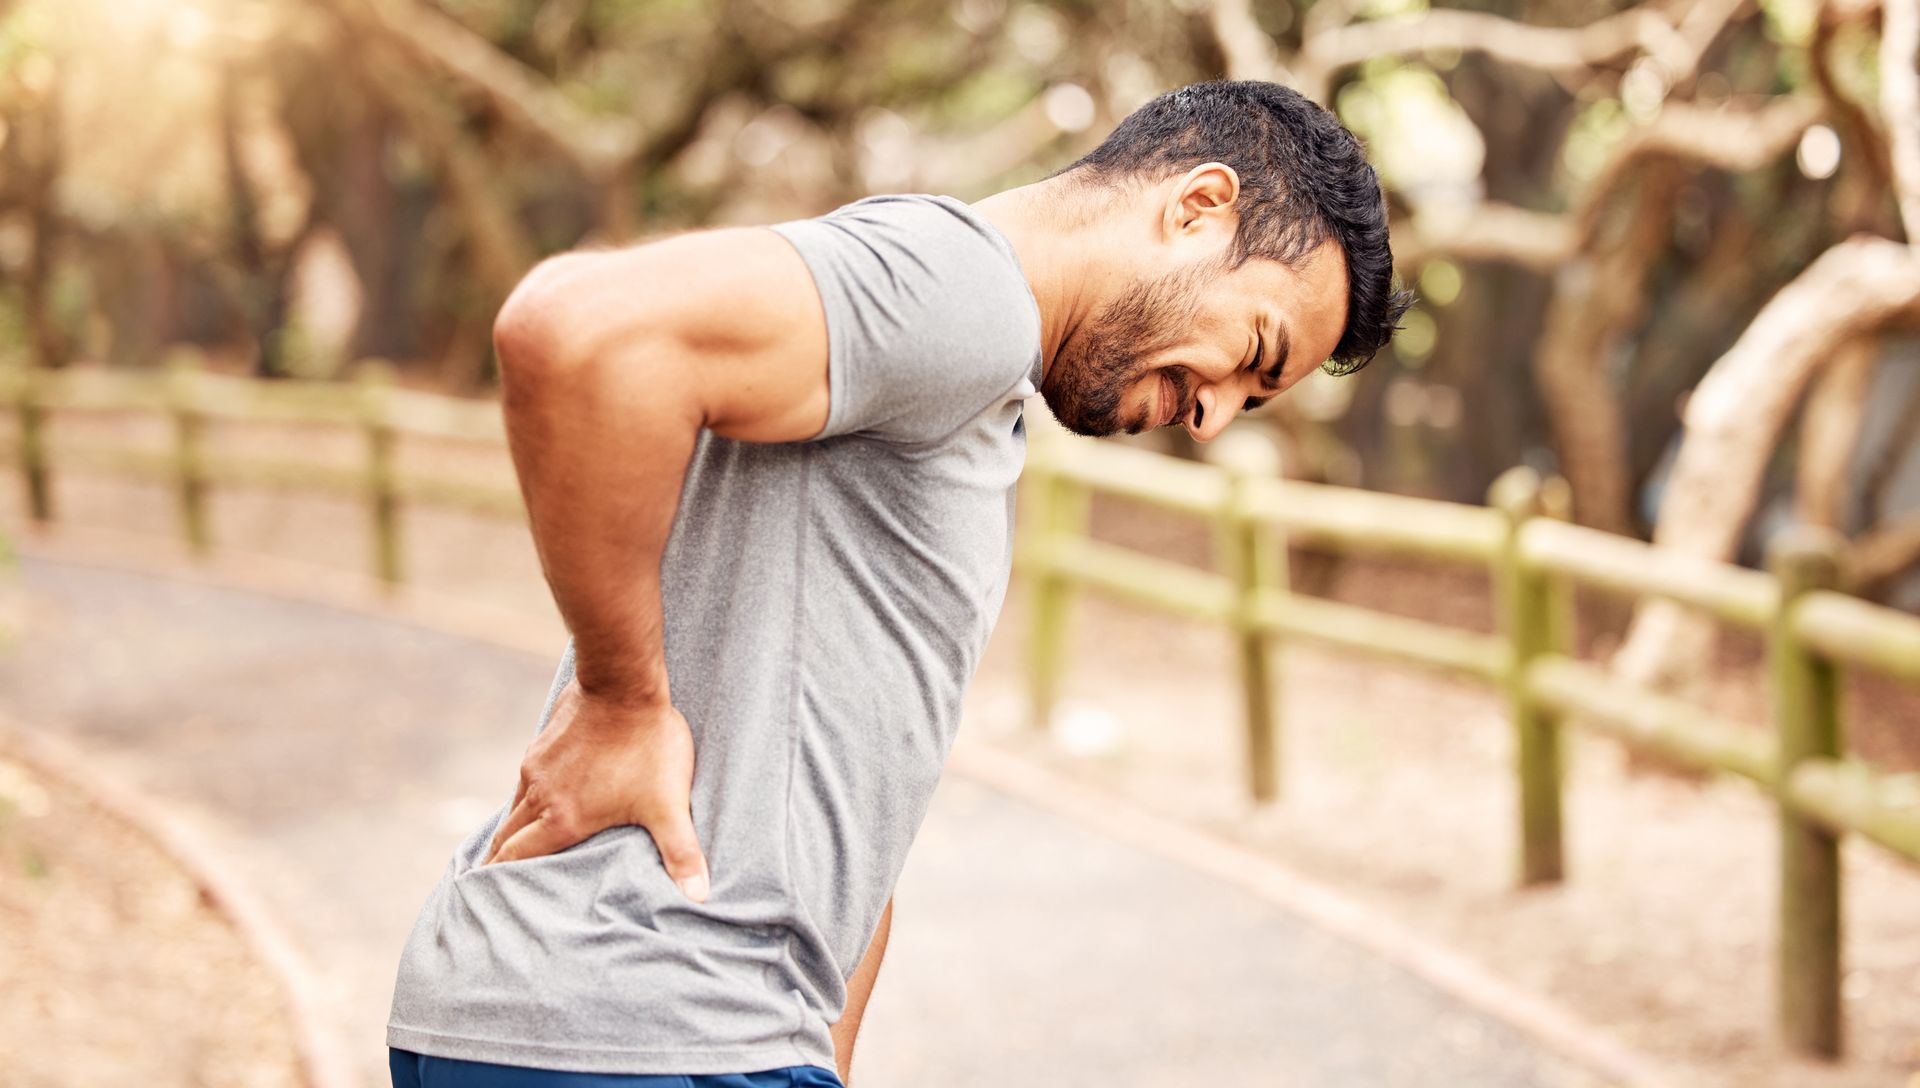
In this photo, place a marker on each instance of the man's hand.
(602, 763)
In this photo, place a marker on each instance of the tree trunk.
(261, 287)
(1582, 405)
(1829, 433)
(1597, 300)
(500, 248)
(1736, 417)
(1879, 560)
(40, 138)
(1874, 503)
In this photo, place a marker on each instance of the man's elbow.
(533, 333)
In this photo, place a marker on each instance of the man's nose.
(1212, 411)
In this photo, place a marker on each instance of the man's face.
(1198, 346)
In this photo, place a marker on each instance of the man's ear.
(1202, 201)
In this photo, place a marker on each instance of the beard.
(1086, 389)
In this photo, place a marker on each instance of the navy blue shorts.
(411, 1070)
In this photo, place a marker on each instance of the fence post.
(1806, 715)
(1556, 502)
(1254, 556)
(375, 377)
(35, 464)
(189, 447)
(1529, 617)
(1056, 509)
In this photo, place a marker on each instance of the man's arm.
(610, 364)
(859, 988)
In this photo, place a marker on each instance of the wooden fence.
(1534, 558)
(193, 398)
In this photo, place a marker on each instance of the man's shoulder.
(943, 226)
(932, 206)
(933, 249)
(930, 317)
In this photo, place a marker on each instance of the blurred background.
(1591, 220)
(1661, 252)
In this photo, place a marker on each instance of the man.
(770, 475)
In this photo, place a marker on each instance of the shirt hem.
(616, 1060)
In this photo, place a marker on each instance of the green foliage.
(497, 20)
(983, 97)
(1791, 22)
(1417, 133)
(1416, 338)
(13, 322)
(1855, 54)
(1440, 282)
(25, 32)
(1595, 131)
(1391, 9)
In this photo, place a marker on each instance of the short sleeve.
(929, 319)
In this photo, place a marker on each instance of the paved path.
(341, 756)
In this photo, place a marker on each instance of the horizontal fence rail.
(1340, 518)
(1534, 559)
(1617, 564)
(1348, 627)
(1521, 539)
(1850, 630)
(1648, 721)
(194, 398)
(185, 383)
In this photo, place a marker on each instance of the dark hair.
(1303, 177)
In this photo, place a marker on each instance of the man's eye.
(1259, 349)
(1252, 403)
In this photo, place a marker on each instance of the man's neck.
(1066, 267)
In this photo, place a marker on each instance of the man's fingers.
(521, 815)
(538, 839)
(514, 818)
(680, 850)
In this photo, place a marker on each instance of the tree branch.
(1878, 559)
(501, 250)
(1549, 48)
(1699, 28)
(1830, 427)
(1490, 231)
(1726, 139)
(1736, 416)
(1249, 52)
(1900, 105)
(599, 145)
(1866, 182)
(970, 161)
(1599, 297)
(1733, 140)
(1561, 50)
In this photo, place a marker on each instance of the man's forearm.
(600, 442)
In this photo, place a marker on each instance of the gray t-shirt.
(825, 605)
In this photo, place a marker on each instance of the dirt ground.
(115, 970)
(1397, 786)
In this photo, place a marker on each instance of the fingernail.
(695, 886)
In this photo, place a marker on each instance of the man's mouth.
(1169, 403)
